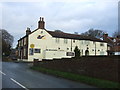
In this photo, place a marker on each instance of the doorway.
(86, 53)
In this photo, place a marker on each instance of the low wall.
(104, 67)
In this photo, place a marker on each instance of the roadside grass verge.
(80, 78)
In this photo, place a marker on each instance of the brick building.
(113, 44)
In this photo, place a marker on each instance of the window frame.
(36, 50)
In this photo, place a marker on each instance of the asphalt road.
(18, 75)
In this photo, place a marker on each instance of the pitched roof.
(72, 36)
(68, 36)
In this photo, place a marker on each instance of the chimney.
(41, 23)
(28, 31)
(105, 36)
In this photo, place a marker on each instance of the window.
(36, 50)
(87, 42)
(19, 43)
(101, 53)
(82, 42)
(24, 51)
(31, 51)
(24, 41)
(70, 54)
(93, 42)
(101, 44)
(92, 49)
(19, 53)
(57, 40)
(65, 41)
(59, 48)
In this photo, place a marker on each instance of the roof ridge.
(73, 36)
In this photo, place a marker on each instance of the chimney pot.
(41, 23)
(28, 31)
(40, 18)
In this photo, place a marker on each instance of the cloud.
(67, 16)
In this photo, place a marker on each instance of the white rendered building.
(43, 44)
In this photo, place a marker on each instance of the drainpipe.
(95, 48)
(71, 45)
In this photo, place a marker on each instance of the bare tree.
(116, 33)
(7, 41)
(58, 31)
(94, 33)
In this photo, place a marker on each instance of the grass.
(80, 78)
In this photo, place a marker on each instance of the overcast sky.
(68, 16)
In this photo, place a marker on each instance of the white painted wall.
(49, 42)
(39, 43)
(117, 53)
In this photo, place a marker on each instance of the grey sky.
(67, 16)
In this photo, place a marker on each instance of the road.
(18, 75)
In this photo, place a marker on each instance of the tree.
(7, 41)
(94, 33)
(76, 33)
(77, 52)
(58, 31)
(116, 33)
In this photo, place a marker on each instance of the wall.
(59, 49)
(41, 44)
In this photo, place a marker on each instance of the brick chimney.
(41, 23)
(105, 36)
(28, 31)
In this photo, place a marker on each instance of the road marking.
(19, 84)
(2, 73)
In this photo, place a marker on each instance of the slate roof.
(72, 36)
(68, 36)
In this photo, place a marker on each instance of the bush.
(77, 52)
